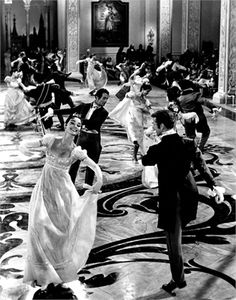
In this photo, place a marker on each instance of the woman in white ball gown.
(17, 110)
(96, 78)
(62, 224)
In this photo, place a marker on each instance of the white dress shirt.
(91, 110)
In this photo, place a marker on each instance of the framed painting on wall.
(110, 23)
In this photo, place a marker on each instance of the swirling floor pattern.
(129, 258)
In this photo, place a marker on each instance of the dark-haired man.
(92, 115)
(178, 193)
(189, 100)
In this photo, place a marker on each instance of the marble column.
(165, 27)
(232, 48)
(227, 51)
(73, 36)
(8, 25)
(193, 24)
(184, 33)
(6, 8)
(27, 9)
(46, 24)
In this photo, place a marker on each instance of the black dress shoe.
(169, 287)
(182, 285)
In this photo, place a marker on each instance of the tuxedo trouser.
(91, 143)
(201, 126)
(174, 246)
(60, 99)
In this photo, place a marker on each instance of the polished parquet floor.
(129, 258)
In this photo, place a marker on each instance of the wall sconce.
(150, 36)
(27, 4)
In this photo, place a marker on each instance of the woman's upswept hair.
(72, 116)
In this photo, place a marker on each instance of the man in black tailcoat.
(178, 193)
(92, 115)
(44, 96)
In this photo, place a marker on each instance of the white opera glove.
(96, 188)
(215, 112)
(49, 114)
(218, 193)
(93, 188)
(24, 150)
(28, 148)
(19, 80)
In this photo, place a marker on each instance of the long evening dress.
(17, 110)
(62, 224)
(95, 79)
(133, 113)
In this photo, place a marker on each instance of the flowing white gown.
(17, 110)
(95, 79)
(62, 224)
(133, 113)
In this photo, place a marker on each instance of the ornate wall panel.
(73, 19)
(194, 9)
(184, 33)
(232, 46)
(165, 27)
(224, 46)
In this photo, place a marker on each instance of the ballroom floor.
(129, 258)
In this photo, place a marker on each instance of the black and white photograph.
(118, 149)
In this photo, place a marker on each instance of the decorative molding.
(224, 46)
(165, 27)
(73, 36)
(194, 10)
(232, 47)
(184, 33)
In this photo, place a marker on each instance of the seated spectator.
(140, 55)
(120, 55)
(131, 53)
(186, 58)
(149, 55)
(112, 72)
